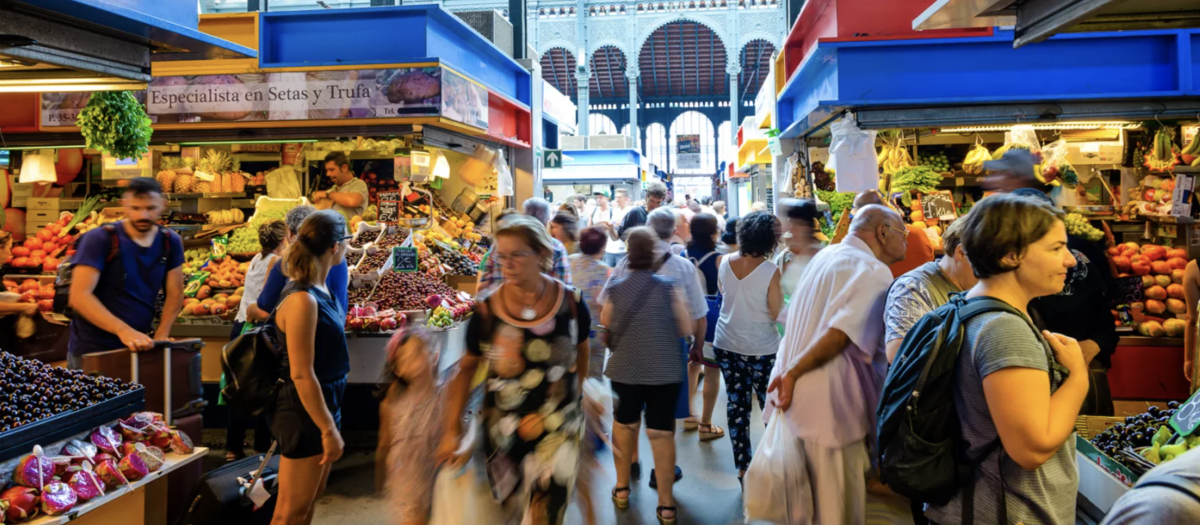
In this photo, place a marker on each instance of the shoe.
(635, 470)
(622, 503)
(710, 432)
(666, 521)
(654, 480)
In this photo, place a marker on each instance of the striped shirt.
(644, 343)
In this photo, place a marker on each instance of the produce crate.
(1086, 427)
(21, 440)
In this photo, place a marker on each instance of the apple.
(1155, 292)
(1161, 280)
(1177, 276)
(1114, 251)
(1154, 307)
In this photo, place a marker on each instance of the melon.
(70, 163)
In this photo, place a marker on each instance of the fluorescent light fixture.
(38, 167)
(52, 80)
(272, 141)
(1063, 126)
(441, 168)
(63, 88)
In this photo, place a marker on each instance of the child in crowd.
(409, 426)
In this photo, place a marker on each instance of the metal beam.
(1025, 113)
(1038, 20)
(608, 64)
(554, 72)
(698, 58)
(654, 67)
(518, 11)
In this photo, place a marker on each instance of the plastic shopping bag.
(776, 484)
(504, 178)
(852, 150)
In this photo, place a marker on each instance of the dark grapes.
(407, 291)
(31, 390)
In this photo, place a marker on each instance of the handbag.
(252, 368)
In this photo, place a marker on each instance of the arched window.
(600, 124)
(695, 125)
(655, 148)
(724, 143)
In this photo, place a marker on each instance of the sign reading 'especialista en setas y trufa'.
(313, 95)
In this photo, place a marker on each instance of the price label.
(1187, 417)
(939, 205)
(405, 259)
(389, 206)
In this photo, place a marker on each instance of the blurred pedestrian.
(614, 251)
(490, 273)
(729, 237)
(645, 314)
(801, 243)
(590, 275)
(564, 227)
(702, 252)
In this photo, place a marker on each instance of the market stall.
(1115, 139)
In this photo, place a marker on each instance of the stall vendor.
(349, 193)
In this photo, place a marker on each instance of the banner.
(687, 152)
(313, 95)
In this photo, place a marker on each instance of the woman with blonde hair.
(532, 330)
(306, 415)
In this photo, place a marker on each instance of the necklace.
(528, 313)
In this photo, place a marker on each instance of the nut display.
(407, 291)
(31, 390)
(362, 239)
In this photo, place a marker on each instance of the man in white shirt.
(614, 251)
(707, 206)
(832, 361)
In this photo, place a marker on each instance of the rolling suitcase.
(221, 496)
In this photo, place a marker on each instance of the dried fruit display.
(372, 262)
(393, 239)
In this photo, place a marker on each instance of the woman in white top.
(273, 238)
(746, 340)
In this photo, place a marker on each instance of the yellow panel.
(204, 67)
(780, 72)
(239, 28)
(752, 151)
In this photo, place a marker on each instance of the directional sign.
(552, 159)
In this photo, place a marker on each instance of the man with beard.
(118, 272)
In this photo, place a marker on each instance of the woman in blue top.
(306, 416)
(702, 251)
(338, 280)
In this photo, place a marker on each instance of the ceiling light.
(221, 142)
(58, 88)
(1121, 124)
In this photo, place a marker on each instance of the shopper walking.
(746, 340)
(590, 276)
(410, 428)
(1015, 405)
(490, 271)
(602, 213)
(729, 237)
(702, 252)
(532, 329)
(306, 416)
(685, 275)
(646, 315)
(614, 251)
(655, 194)
(683, 232)
(832, 361)
(273, 239)
(919, 251)
(338, 279)
(564, 228)
(801, 219)
(115, 285)
(349, 195)
(926, 288)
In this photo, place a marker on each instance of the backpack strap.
(1173, 481)
(114, 242)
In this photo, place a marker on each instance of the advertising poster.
(687, 152)
(259, 97)
(464, 101)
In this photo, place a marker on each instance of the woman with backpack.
(1017, 392)
(702, 252)
(746, 341)
(306, 415)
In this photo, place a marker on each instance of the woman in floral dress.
(532, 332)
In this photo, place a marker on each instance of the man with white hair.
(684, 273)
(832, 361)
(490, 275)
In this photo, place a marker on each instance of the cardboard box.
(20, 192)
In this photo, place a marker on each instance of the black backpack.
(921, 453)
(253, 366)
(63, 276)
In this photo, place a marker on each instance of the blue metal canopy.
(169, 26)
(1150, 65)
(602, 157)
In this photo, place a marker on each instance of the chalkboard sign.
(1187, 416)
(405, 259)
(389, 207)
(939, 205)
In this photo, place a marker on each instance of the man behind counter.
(349, 193)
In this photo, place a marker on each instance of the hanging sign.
(405, 259)
(552, 159)
(687, 152)
(389, 207)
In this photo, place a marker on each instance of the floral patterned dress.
(531, 416)
(415, 427)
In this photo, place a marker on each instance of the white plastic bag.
(852, 151)
(283, 183)
(776, 484)
(504, 178)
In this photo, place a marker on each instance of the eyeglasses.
(512, 257)
(903, 231)
(345, 238)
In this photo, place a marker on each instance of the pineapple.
(166, 177)
(202, 186)
(237, 183)
(218, 164)
(185, 183)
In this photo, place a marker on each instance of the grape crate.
(393, 239)
(373, 262)
(407, 291)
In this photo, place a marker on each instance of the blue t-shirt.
(128, 288)
(338, 282)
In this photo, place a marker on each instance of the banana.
(882, 157)
(1192, 146)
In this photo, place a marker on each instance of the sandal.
(709, 432)
(691, 424)
(666, 521)
(622, 503)
(654, 478)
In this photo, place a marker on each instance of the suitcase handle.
(135, 372)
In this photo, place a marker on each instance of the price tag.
(1187, 417)
(938, 205)
(404, 259)
(389, 206)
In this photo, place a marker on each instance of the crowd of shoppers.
(807, 330)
